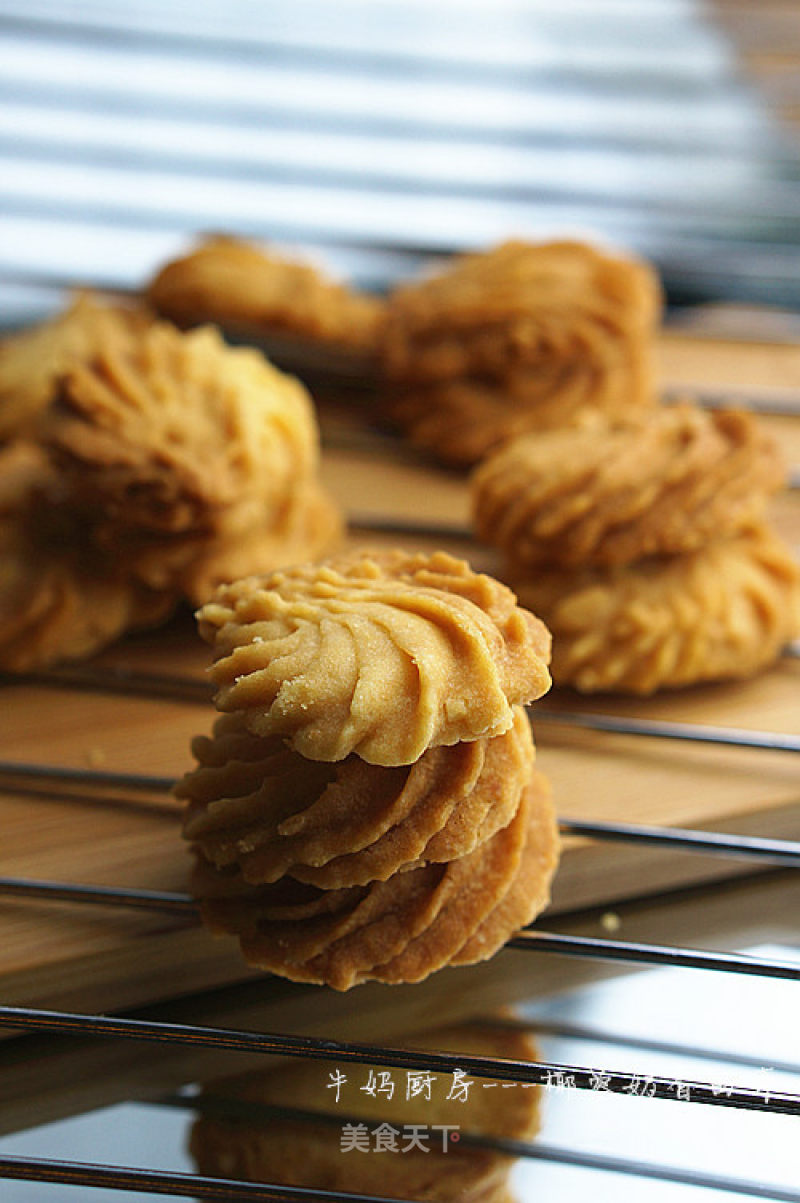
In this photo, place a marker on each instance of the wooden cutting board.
(97, 958)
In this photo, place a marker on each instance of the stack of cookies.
(644, 545)
(142, 466)
(288, 1126)
(523, 337)
(367, 806)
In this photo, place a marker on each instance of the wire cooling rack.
(649, 1086)
(125, 129)
(731, 1089)
(736, 1093)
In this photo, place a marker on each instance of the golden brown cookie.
(308, 524)
(522, 337)
(190, 459)
(163, 464)
(306, 1151)
(32, 361)
(324, 939)
(231, 905)
(382, 654)
(487, 805)
(610, 492)
(530, 890)
(269, 811)
(64, 610)
(366, 808)
(490, 310)
(724, 611)
(402, 929)
(494, 892)
(228, 281)
(59, 598)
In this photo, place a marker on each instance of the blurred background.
(374, 134)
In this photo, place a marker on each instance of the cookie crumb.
(610, 921)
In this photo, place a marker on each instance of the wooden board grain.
(102, 958)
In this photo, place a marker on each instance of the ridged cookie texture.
(610, 492)
(367, 805)
(259, 806)
(523, 337)
(183, 449)
(151, 466)
(398, 930)
(513, 301)
(723, 611)
(383, 654)
(33, 361)
(226, 280)
(59, 597)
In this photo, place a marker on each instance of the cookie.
(721, 612)
(611, 492)
(382, 654)
(529, 892)
(146, 466)
(523, 337)
(33, 361)
(184, 451)
(402, 929)
(59, 597)
(366, 806)
(273, 812)
(230, 282)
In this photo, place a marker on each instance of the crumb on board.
(610, 921)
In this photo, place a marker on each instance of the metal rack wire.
(783, 853)
(95, 787)
(141, 176)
